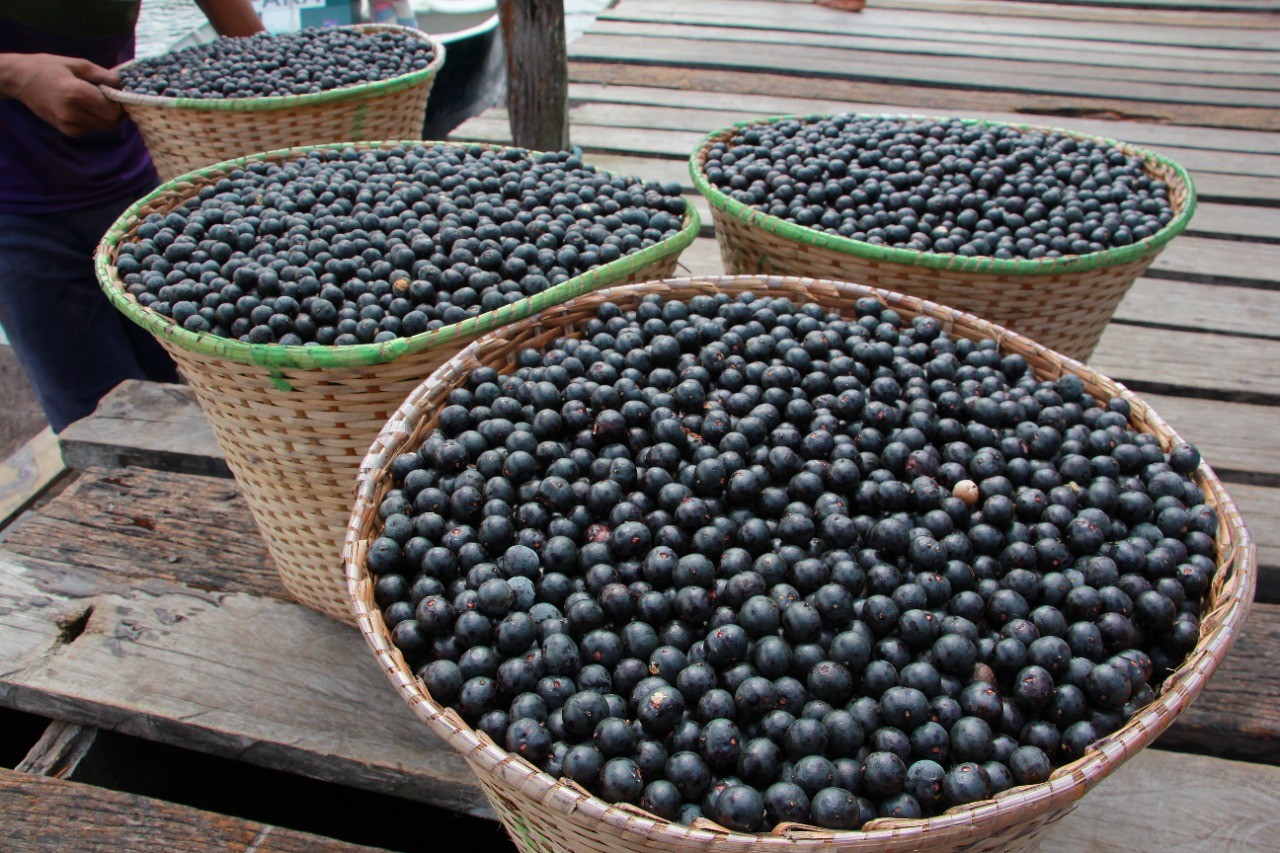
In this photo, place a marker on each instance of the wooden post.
(537, 76)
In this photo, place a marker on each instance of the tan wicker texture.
(1065, 308)
(183, 134)
(545, 814)
(294, 422)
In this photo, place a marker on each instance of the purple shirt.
(44, 171)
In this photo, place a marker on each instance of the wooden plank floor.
(1199, 333)
(140, 601)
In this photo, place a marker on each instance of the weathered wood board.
(27, 472)
(151, 525)
(41, 813)
(232, 674)
(149, 424)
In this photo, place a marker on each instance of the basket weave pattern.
(545, 814)
(1063, 303)
(294, 422)
(183, 134)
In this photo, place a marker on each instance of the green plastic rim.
(374, 88)
(329, 357)
(938, 260)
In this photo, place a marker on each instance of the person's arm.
(61, 90)
(231, 17)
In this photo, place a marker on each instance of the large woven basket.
(184, 134)
(293, 421)
(545, 814)
(1064, 303)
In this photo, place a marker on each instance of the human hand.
(61, 90)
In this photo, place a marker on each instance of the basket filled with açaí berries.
(236, 96)
(788, 564)
(304, 293)
(1038, 229)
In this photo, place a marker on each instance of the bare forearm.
(231, 17)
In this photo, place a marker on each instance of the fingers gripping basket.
(546, 814)
(183, 134)
(293, 422)
(1064, 303)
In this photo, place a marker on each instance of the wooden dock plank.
(52, 814)
(232, 674)
(1193, 364)
(823, 63)
(1188, 136)
(1196, 13)
(1211, 719)
(980, 20)
(703, 121)
(874, 24)
(1239, 440)
(27, 472)
(145, 423)
(1165, 801)
(151, 525)
(1260, 507)
(1071, 59)
(934, 99)
(1174, 304)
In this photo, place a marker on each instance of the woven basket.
(1063, 303)
(184, 134)
(293, 422)
(545, 814)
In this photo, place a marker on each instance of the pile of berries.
(347, 246)
(749, 560)
(945, 187)
(264, 65)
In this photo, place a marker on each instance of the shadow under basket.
(1064, 303)
(184, 134)
(546, 814)
(294, 422)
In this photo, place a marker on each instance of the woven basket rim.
(357, 355)
(370, 89)
(1234, 583)
(940, 260)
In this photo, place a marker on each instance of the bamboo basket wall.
(293, 422)
(544, 814)
(184, 134)
(1063, 303)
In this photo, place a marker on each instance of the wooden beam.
(26, 474)
(151, 424)
(537, 76)
(59, 751)
(52, 814)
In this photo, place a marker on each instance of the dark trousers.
(72, 344)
